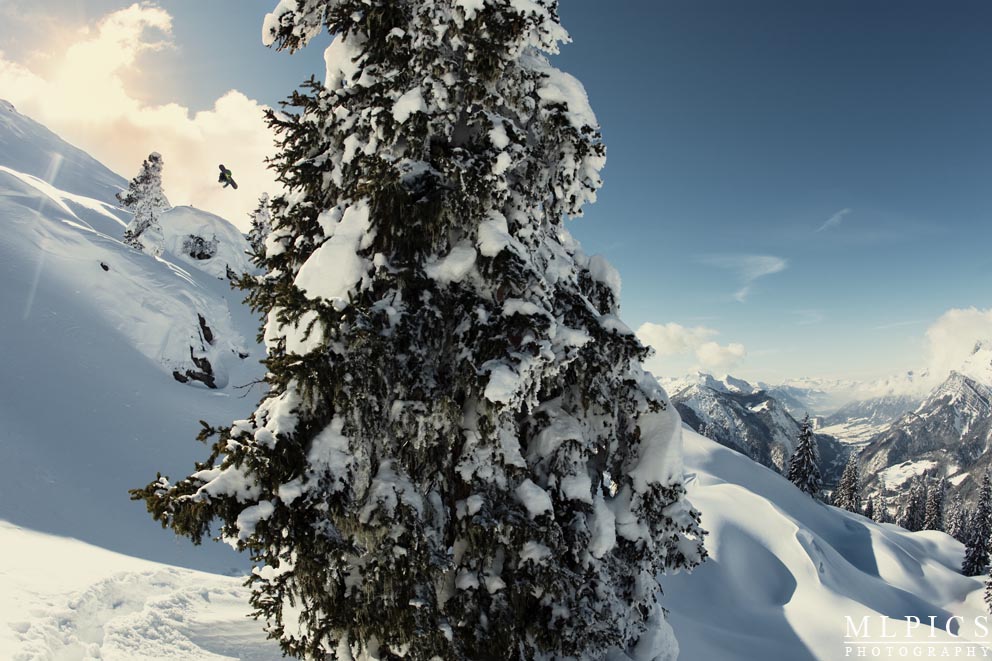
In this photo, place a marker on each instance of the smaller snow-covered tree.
(988, 591)
(912, 514)
(956, 519)
(882, 510)
(976, 556)
(261, 225)
(804, 465)
(869, 512)
(848, 493)
(933, 518)
(145, 198)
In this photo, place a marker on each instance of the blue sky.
(842, 149)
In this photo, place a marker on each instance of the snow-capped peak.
(978, 365)
(725, 383)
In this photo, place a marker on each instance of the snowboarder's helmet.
(221, 166)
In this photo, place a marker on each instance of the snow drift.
(785, 571)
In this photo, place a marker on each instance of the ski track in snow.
(146, 612)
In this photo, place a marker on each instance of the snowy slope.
(67, 600)
(28, 147)
(784, 573)
(785, 570)
(91, 336)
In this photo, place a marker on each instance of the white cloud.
(952, 338)
(747, 268)
(679, 348)
(720, 358)
(82, 97)
(834, 220)
(673, 339)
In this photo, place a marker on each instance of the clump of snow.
(534, 498)
(454, 266)
(503, 383)
(498, 136)
(343, 61)
(412, 101)
(470, 7)
(304, 27)
(602, 271)
(534, 552)
(335, 268)
(331, 455)
(603, 535)
(250, 516)
(494, 235)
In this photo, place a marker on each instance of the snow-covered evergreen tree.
(804, 465)
(870, 508)
(956, 519)
(913, 512)
(848, 493)
(261, 225)
(881, 510)
(460, 456)
(146, 200)
(976, 556)
(933, 518)
(988, 591)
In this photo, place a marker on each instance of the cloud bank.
(674, 343)
(82, 97)
(952, 338)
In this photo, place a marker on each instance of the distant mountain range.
(943, 432)
(749, 419)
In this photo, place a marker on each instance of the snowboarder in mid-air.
(226, 178)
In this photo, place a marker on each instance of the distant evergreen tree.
(146, 200)
(956, 519)
(804, 465)
(976, 556)
(869, 508)
(261, 225)
(459, 456)
(988, 591)
(913, 512)
(848, 493)
(882, 513)
(934, 515)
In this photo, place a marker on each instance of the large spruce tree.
(804, 465)
(976, 556)
(460, 456)
(145, 198)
